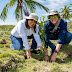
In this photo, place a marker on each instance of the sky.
(51, 4)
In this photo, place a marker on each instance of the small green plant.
(41, 31)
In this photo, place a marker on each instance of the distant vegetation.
(6, 27)
(10, 27)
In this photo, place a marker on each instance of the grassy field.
(14, 60)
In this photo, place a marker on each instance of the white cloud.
(58, 1)
(41, 1)
(55, 4)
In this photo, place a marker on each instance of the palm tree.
(22, 6)
(71, 13)
(65, 12)
(71, 4)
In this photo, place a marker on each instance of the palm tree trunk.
(21, 13)
(25, 11)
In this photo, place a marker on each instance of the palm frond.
(40, 5)
(29, 5)
(71, 4)
(17, 13)
(32, 5)
(71, 15)
(3, 15)
(12, 2)
(65, 12)
(4, 12)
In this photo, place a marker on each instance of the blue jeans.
(17, 43)
(49, 37)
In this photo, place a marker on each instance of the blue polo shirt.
(59, 33)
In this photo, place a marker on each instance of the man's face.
(31, 23)
(54, 19)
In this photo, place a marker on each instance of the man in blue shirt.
(56, 29)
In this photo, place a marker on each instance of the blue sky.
(51, 4)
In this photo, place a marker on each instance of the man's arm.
(60, 40)
(53, 58)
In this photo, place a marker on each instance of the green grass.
(14, 60)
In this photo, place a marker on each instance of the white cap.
(32, 16)
(53, 12)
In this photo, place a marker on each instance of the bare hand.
(46, 58)
(53, 58)
(40, 47)
(28, 54)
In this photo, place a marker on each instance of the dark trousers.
(67, 39)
